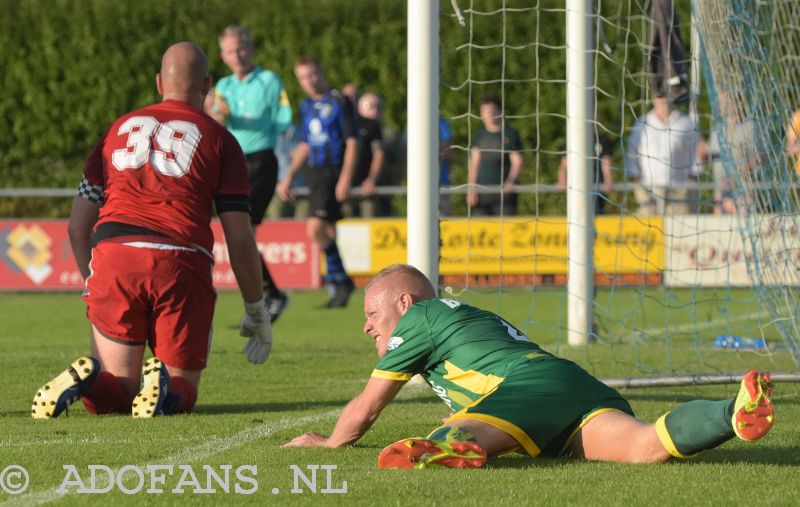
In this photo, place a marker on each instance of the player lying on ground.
(508, 394)
(140, 226)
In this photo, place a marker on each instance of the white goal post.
(423, 152)
(423, 136)
(580, 153)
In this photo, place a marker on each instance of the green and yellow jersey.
(486, 369)
(463, 352)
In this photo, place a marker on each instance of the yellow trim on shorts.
(586, 420)
(666, 439)
(391, 375)
(516, 432)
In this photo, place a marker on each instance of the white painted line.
(655, 332)
(210, 447)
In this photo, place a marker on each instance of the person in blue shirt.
(253, 105)
(328, 147)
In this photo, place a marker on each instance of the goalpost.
(580, 216)
(672, 296)
(423, 136)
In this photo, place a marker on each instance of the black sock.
(269, 285)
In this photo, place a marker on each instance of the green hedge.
(70, 67)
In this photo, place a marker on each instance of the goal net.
(753, 74)
(692, 275)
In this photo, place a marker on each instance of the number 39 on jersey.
(168, 147)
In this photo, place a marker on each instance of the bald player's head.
(403, 278)
(184, 74)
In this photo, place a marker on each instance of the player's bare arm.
(608, 176)
(348, 165)
(82, 218)
(472, 176)
(255, 324)
(357, 416)
(514, 172)
(378, 156)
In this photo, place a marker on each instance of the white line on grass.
(210, 447)
(655, 332)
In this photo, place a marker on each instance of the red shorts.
(162, 297)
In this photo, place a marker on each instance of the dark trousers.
(667, 58)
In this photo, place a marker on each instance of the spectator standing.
(604, 151)
(666, 59)
(733, 153)
(328, 148)
(662, 159)
(369, 161)
(253, 105)
(495, 159)
(141, 216)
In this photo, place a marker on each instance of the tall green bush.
(70, 67)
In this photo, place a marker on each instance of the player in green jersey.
(508, 394)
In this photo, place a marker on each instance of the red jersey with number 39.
(162, 166)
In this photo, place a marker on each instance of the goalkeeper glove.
(255, 326)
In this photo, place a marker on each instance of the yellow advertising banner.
(519, 245)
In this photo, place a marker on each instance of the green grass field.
(320, 360)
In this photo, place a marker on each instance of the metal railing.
(389, 190)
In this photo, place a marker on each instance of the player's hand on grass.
(255, 326)
(310, 439)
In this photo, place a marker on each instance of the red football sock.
(107, 396)
(185, 392)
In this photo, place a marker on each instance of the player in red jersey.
(140, 234)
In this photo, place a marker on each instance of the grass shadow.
(248, 408)
(764, 455)
(775, 456)
(519, 461)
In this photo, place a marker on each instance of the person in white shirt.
(662, 159)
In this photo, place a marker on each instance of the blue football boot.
(55, 396)
(153, 398)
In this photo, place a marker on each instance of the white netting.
(753, 69)
(671, 287)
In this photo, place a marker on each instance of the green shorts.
(543, 402)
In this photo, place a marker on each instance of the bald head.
(184, 74)
(403, 278)
(369, 105)
(388, 297)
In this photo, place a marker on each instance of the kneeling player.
(140, 232)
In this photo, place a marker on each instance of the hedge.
(70, 67)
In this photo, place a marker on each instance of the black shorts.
(322, 193)
(262, 171)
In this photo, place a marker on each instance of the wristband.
(256, 309)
